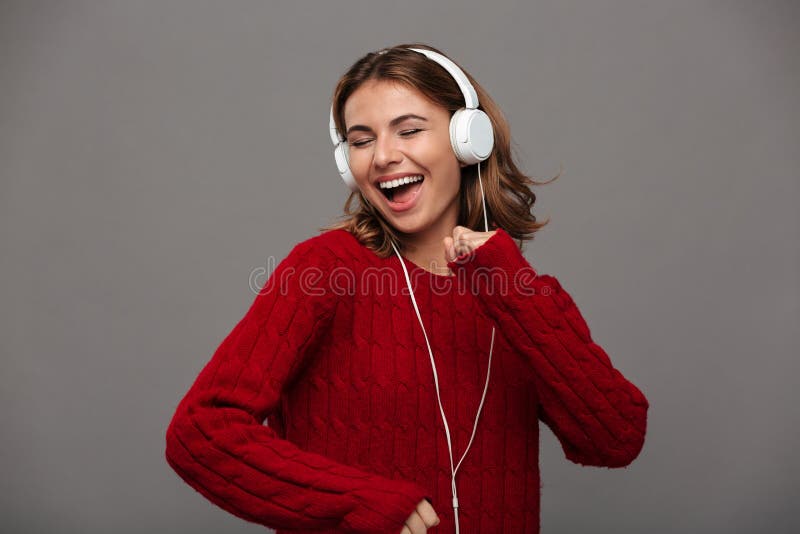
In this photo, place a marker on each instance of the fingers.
(449, 249)
(421, 519)
(427, 513)
(464, 242)
(415, 524)
(458, 235)
(461, 241)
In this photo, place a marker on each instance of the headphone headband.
(470, 95)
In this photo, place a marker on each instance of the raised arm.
(599, 417)
(217, 441)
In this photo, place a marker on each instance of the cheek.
(443, 161)
(438, 156)
(358, 162)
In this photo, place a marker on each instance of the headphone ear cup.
(471, 135)
(340, 153)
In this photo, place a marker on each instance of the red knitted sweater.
(331, 354)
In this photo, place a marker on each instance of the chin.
(402, 227)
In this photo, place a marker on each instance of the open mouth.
(403, 189)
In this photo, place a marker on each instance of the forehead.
(382, 100)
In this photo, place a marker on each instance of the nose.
(386, 152)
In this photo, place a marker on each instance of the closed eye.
(404, 133)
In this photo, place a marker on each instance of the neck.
(426, 248)
(429, 255)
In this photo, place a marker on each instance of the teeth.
(400, 181)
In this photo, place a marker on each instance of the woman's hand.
(421, 519)
(463, 241)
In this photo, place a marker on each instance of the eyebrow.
(393, 122)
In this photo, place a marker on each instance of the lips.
(402, 194)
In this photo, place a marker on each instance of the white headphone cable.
(483, 200)
(453, 470)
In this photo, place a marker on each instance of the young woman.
(403, 357)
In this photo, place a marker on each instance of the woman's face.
(394, 131)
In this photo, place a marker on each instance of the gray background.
(154, 155)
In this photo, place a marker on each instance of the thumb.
(449, 249)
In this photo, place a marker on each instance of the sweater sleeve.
(218, 444)
(598, 416)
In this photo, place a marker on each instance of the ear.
(462, 164)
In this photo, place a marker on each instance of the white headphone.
(471, 133)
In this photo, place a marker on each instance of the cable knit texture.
(331, 355)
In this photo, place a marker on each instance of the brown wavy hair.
(509, 198)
